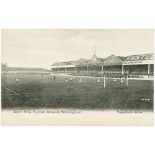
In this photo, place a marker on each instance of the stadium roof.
(81, 62)
(95, 60)
(111, 60)
(63, 63)
(149, 56)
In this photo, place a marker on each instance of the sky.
(43, 47)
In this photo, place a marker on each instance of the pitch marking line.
(12, 91)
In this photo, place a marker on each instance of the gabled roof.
(96, 60)
(81, 62)
(113, 58)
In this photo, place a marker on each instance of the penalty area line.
(12, 91)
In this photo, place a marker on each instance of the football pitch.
(37, 91)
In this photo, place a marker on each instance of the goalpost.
(104, 82)
(126, 81)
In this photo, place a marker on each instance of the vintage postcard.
(77, 76)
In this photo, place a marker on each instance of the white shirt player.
(98, 79)
(80, 80)
(17, 79)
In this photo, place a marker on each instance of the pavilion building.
(113, 65)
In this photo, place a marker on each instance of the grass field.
(34, 92)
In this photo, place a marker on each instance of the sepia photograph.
(77, 76)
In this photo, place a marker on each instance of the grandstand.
(113, 66)
(8, 69)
